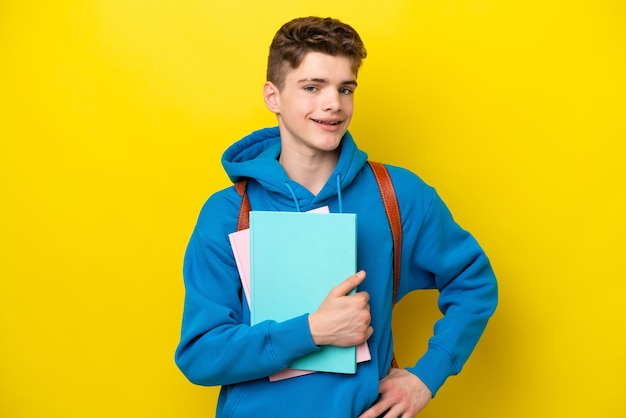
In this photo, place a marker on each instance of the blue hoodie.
(219, 347)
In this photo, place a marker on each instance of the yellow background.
(113, 117)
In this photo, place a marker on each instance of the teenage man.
(310, 160)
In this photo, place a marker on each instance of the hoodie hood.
(255, 157)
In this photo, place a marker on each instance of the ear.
(271, 94)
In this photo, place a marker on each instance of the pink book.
(240, 243)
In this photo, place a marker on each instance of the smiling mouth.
(329, 123)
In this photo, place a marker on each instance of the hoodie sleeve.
(444, 256)
(217, 345)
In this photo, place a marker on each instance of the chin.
(334, 137)
(331, 145)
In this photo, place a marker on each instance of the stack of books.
(288, 262)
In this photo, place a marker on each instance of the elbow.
(492, 291)
(194, 372)
(486, 292)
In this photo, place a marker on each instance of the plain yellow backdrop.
(113, 118)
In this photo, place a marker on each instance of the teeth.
(327, 123)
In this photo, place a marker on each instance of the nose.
(331, 100)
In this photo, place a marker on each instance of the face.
(315, 105)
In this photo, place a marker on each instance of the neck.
(311, 172)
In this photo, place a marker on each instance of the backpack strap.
(390, 201)
(243, 222)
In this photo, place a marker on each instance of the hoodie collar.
(256, 157)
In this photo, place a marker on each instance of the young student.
(311, 160)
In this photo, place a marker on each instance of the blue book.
(296, 259)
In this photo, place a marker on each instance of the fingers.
(369, 333)
(348, 285)
(343, 319)
(378, 409)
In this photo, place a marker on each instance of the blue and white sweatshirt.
(219, 347)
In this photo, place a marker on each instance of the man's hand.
(342, 320)
(402, 395)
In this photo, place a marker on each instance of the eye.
(311, 89)
(346, 91)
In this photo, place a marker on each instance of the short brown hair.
(300, 36)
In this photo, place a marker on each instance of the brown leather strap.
(243, 222)
(390, 201)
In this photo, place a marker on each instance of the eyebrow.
(326, 81)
